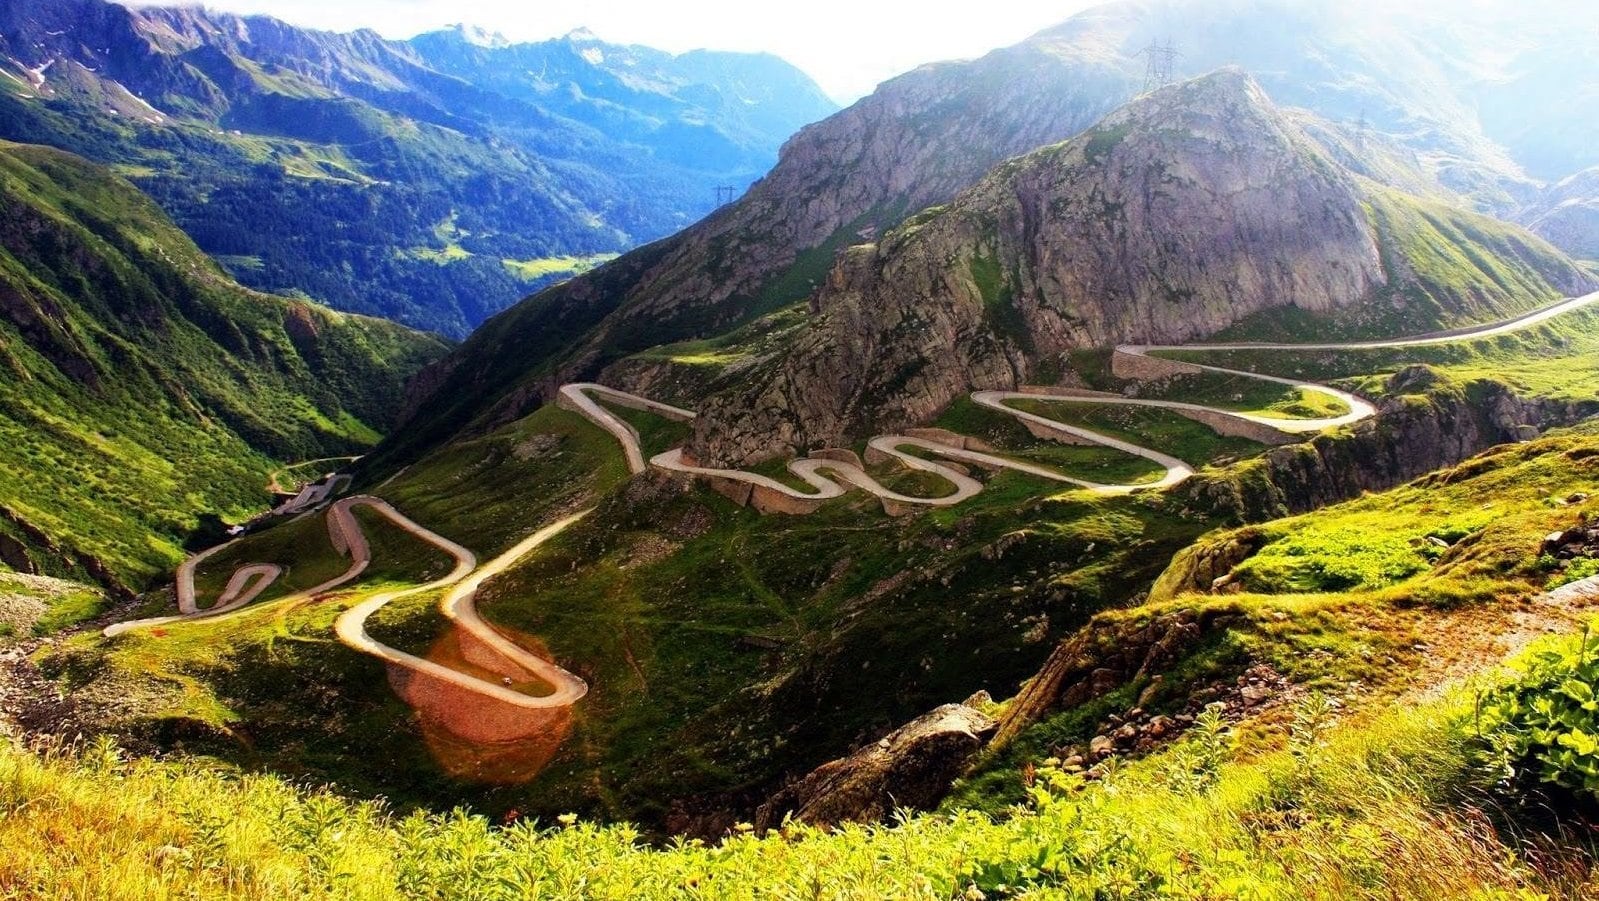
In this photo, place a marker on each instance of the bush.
(1546, 724)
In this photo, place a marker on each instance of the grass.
(300, 545)
(1168, 432)
(443, 256)
(545, 267)
(488, 492)
(1245, 395)
(1558, 360)
(657, 434)
(39, 605)
(652, 598)
(1011, 439)
(1355, 599)
(1382, 807)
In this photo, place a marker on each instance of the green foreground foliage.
(1386, 807)
(1545, 726)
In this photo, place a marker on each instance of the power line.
(1158, 74)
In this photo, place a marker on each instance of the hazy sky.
(848, 46)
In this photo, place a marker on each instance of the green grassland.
(537, 270)
(1370, 805)
(725, 649)
(147, 394)
(39, 605)
(1558, 360)
(1358, 599)
(668, 601)
(651, 600)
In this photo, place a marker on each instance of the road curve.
(458, 604)
(830, 476)
(235, 598)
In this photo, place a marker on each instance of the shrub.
(1545, 725)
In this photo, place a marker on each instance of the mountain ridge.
(1179, 215)
(927, 134)
(446, 186)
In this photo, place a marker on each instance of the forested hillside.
(145, 390)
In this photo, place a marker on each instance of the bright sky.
(848, 46)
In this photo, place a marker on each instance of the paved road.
(459, 603)
(829, 478)
(339, 524)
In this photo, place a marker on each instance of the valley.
(487, 657)
(433, 181)
(1155, 459)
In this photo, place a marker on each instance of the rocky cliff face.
(1567, 215)
(917, 141)
(911, 768)
(1173, 218)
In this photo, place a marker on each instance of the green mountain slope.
(1373, 786)
(143, 389)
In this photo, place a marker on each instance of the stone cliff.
(1175, 217)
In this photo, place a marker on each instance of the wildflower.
(566, 819)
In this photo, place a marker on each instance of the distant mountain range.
(432, 181)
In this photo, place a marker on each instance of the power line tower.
(1158, 73)
(1362, 130)
(725, 195)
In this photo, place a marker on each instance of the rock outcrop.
(911, 768)
(1567, 215)
(1102, 657)
(1173, 218)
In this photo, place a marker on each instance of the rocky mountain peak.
(1179, 214)
(477, 36)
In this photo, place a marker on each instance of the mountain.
(1567, 214)
(704, 111)
(1414, 87)
(145, 392)
(1186, 212)
(349, 168)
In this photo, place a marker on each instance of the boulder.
(912, 767)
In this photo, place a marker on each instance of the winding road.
(829, 474)
(458, 604)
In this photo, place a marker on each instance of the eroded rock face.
(1567, 215)
(911, 768)
(1175, 217)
